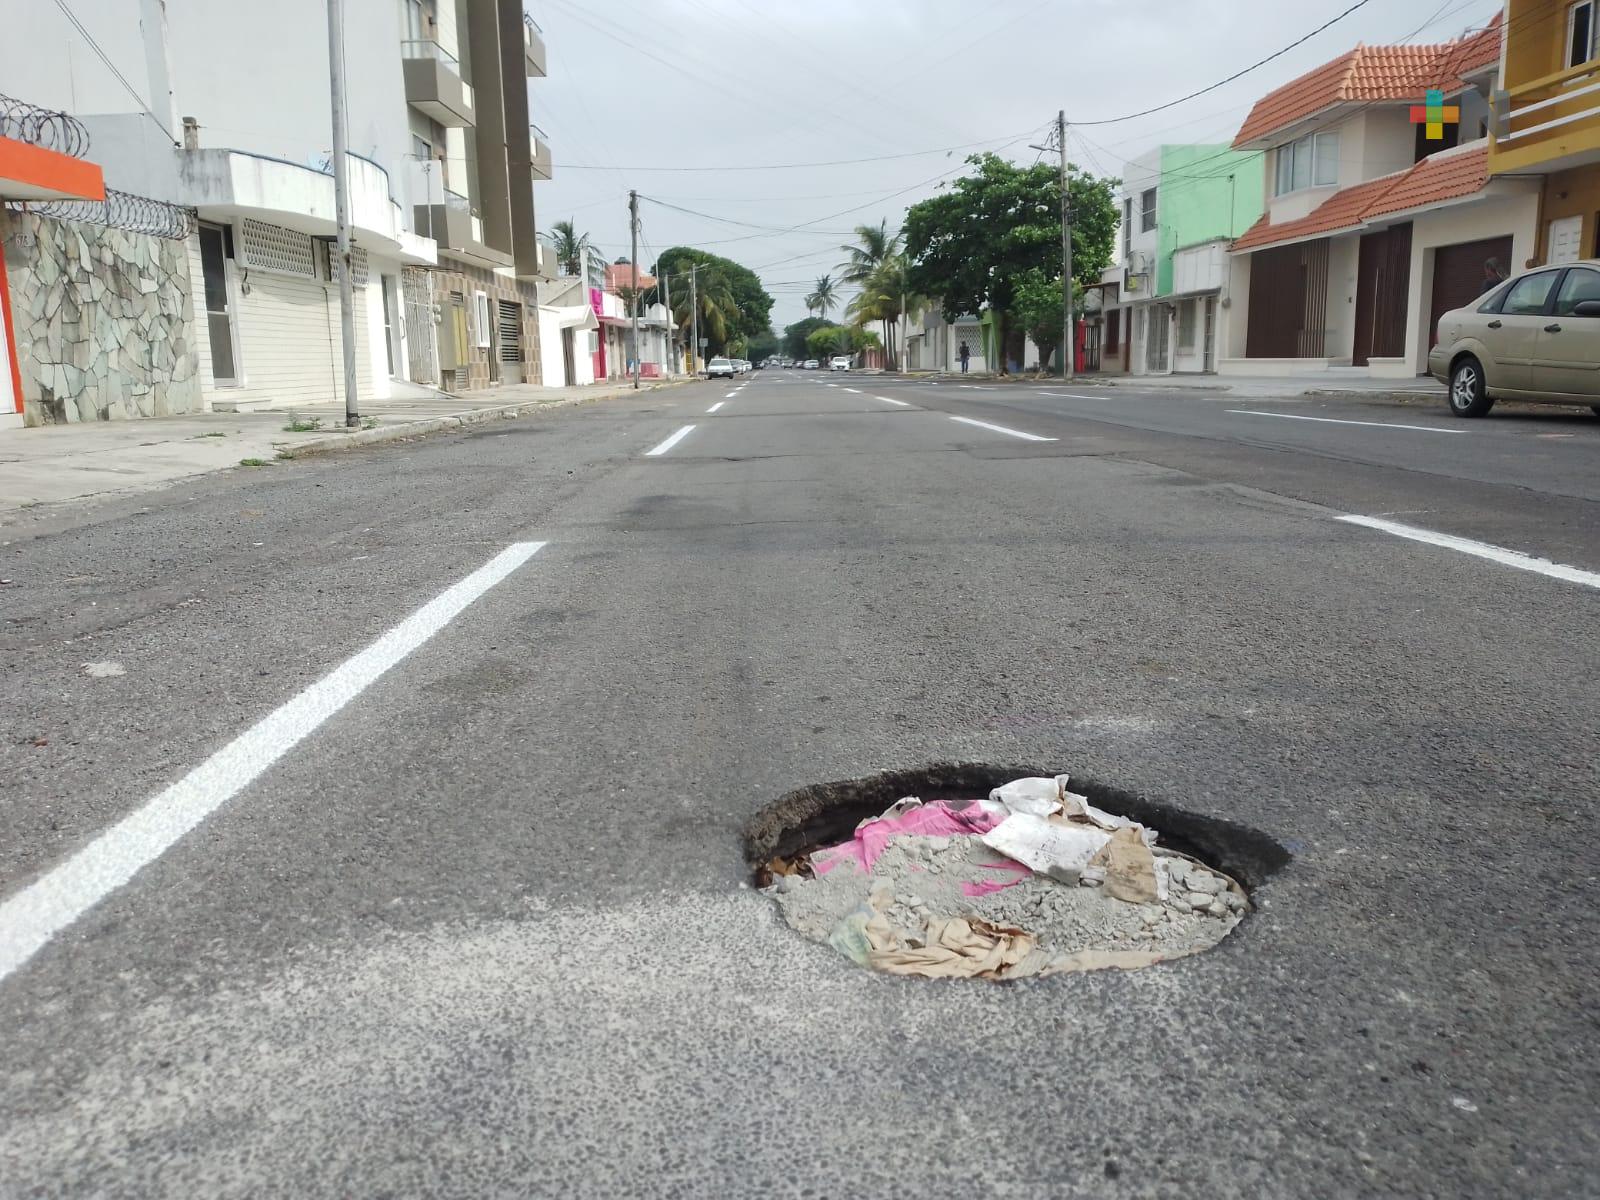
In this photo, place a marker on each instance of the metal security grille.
(510, 325)
(358, 262)
(1288, 301)
(421, 324)
(274, 248)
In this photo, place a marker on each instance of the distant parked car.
(811, 364)
(1535, 337)
(720, 368)
(840, 362)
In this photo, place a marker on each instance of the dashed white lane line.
(1016, 433)
(45, 907)
(731, 394)
(1499, 554)
(716, 406)
(854, 391)
(670, 442)
(1250, 412)
(1074, 396)
(892, 400)
(975, 387)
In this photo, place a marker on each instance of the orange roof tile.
(1475, 51)
(1370, 74)
(621, 275)
(1446, 176)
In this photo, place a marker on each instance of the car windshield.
(720, 362)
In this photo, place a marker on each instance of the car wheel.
(1469, 397)
(1595, 409)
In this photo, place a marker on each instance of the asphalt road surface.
(402, 857)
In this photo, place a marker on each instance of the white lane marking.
(716, 406)
(975, 387)
(670, 442)
(1016, 433)
(731, 394)
(833, 385)
(892, 400)
(855, 391)
(45, 907)
(1499, 554)
(1250, 412)
(1070, 395)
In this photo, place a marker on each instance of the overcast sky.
(647, 84)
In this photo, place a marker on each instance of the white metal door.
(1565, 240)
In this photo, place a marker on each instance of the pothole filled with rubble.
(1000, 873)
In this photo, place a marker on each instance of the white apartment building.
(224, 107)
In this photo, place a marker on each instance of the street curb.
(407, 430)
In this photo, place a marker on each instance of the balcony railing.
(540, 162)
(434, 85)
(533, 46)
(1554, 116)
(428, 48)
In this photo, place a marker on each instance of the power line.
(112, 67)
(1236, 75)
(837, 162)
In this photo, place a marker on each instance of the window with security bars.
(274, 248)
(1186, 325)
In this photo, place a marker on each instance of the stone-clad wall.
(104, 321)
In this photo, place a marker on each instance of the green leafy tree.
(824, 297)
(763, 346)
(839, 339)
(1037, 309)
(732, 292)
(794, 336)
(873, 263)
(973, 245)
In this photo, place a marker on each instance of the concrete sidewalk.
(1338, 381)
(55, 464)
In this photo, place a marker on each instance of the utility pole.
(633, 292)
(341, 204)
(1066, 254)
(694, 321)
(672, 326)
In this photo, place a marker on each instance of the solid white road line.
(45, 907)
(670, 442)
(1016, 433)
(716, 406)
(1499, 554)
(892, 400)
(1250, 412)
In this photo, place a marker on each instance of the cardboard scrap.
(1130, 868)
(1060, 850)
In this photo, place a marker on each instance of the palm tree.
(718, 310)
(885, 295)
(875, 250)
(575, 253)
(569, 246)
(823, 298)
(875, 245)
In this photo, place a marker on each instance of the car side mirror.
(1586, 308)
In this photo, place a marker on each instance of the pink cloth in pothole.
(927, 820)
(1017, 872)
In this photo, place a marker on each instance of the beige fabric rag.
(956, 948)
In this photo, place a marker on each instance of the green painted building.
(1206, 192)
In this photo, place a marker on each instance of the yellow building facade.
(1546, 119)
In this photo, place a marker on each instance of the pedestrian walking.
(965, 354)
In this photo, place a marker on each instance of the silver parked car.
(1535, 337)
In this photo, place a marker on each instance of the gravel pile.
(918, 881)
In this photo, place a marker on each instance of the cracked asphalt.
(485, 930)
